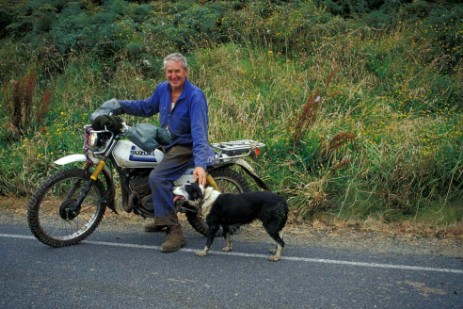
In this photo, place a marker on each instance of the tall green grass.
(363, 123)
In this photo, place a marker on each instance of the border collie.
(226, 209)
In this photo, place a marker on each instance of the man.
(183, 110)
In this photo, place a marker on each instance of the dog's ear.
(197, 191)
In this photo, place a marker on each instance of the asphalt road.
(127, 270)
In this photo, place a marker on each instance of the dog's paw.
(226, 249)
(201, 253)
(273, 258)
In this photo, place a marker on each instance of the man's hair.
(177, 58)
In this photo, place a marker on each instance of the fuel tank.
(128, 155)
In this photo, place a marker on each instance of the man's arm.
(145, 108)
(199, 131)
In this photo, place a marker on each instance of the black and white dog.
(226, 209)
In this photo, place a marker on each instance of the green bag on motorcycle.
(148, 137)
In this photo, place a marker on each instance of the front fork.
(70, 208)
(89, 184)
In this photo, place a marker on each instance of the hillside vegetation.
(359, 102)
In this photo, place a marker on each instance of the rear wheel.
(228, 181)
(53, 215)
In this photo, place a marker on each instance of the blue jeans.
(176, 161)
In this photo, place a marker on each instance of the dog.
(226, 209)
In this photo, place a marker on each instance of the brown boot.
(174, 239)
(159, 225)
(153, 228)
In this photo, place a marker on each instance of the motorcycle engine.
(140, 199)
(140, 185)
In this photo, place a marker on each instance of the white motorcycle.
(69, 205)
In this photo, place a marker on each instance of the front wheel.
(228, 181)
(53, 215)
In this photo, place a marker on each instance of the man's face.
(176, 74)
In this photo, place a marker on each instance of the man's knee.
(157, 182)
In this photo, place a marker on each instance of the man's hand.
(200, 174)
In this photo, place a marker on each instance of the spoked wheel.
(54, 216)
(228, 181)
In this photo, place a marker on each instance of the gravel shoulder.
(374, 237)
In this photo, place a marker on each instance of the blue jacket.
(187, 122)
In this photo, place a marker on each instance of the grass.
(358, 126)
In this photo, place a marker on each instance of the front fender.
(245, 166)
(77, 157)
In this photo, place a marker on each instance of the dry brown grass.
(24, 112)
(297, 225)
(308, 115)
(404, 229)
(370, 236)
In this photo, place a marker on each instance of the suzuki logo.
(139, 155)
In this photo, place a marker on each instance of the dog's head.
(191, 193)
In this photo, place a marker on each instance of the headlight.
(92, 139)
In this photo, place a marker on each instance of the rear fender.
(247, 168)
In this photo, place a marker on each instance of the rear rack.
(240, 148)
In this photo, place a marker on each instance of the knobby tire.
(44, 218)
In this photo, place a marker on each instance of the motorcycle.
(70, 204)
